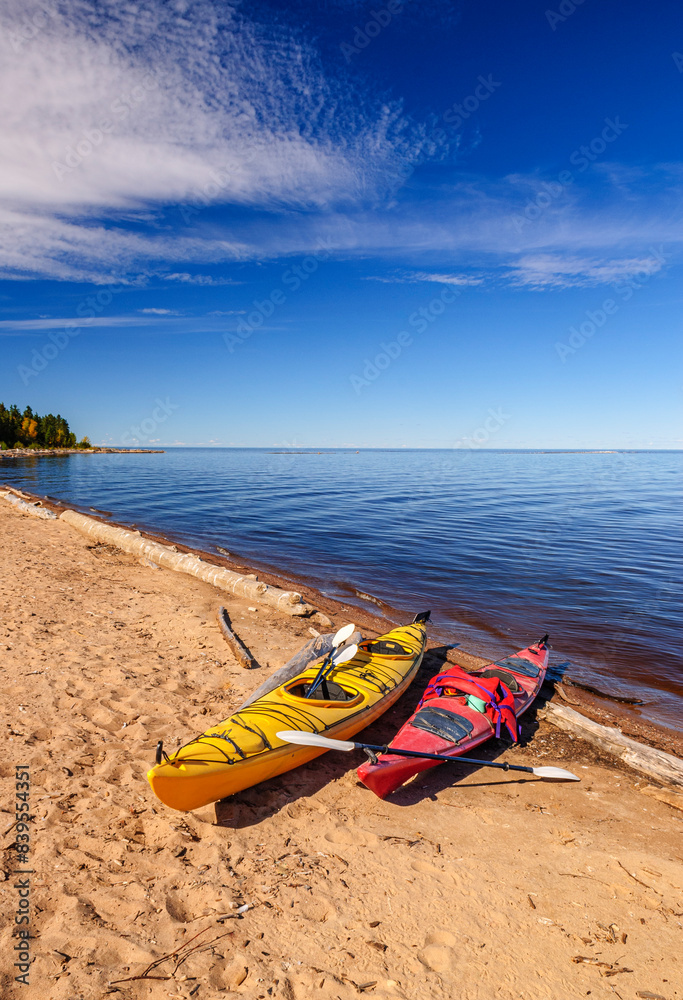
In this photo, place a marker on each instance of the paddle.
(314, 740)
(343, 657)
(341, 636)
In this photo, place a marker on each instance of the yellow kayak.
(244, 749)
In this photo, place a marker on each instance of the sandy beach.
(481, 886)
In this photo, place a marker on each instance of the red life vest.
(498, 698)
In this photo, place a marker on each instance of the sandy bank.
(476, 888)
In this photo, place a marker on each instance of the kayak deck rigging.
(459, 711)
(244, 749)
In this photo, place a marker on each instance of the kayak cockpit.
(503, 675)
(327, 691)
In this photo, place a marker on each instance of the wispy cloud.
(540, 271)
(116, 116)
(439, 279)
(448, 279)
(177, 101)
(114, 108)
(59, 322)
(40, 244)
(154, 320)
(199, 279)
(554, 271)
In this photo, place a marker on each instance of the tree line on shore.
(30, 430)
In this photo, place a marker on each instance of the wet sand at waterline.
(479, 887)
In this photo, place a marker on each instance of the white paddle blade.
(343, 634)
(345, 655)
(555, 774)
(314, 740)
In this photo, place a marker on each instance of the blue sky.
(344, 224)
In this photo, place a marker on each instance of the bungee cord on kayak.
(362, 682)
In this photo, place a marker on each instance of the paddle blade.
(345, 655)
(554, 774)
(343, 634)
(314, 740)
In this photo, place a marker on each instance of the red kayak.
(458, 711)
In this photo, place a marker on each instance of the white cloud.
(411, 277)
(59, 322)
(153, 321)
(112, 108)
(73, 250)
(448, 279)
(159, 105)
(124, 123)
(200, 279)
(544, 271)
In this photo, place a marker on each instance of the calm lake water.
(502, 546)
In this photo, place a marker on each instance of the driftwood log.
(242, 654)
(287, 601)
(314, 650)
(33, 507)
(647, 760)
(601, 694)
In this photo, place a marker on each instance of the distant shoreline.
(332, 450)
(40, 452)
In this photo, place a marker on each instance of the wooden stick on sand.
(242, 654)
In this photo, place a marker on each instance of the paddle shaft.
(320, 676)
(341, 636)
(445, 757)
(326, 668)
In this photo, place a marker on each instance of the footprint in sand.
(316, 910)
(349, 835)
(342, 835)
(176, 907)
(439, 952)
(424, 868)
